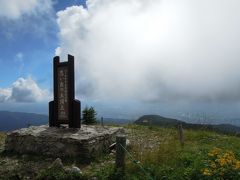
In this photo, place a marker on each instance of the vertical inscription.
(63, 94)
(64, 109)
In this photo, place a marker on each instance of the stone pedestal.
(84, 144)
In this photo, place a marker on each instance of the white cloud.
(154, 50)
(13, 9)
(28, 18)
(57, 51)
(23, 90)
(5, 94)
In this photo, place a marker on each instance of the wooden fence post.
(181, 136)
(120, 152)
(102, 121)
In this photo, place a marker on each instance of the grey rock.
(112, 154)
(75, 169)
(127, 142)
(85, 143)
(57, 164)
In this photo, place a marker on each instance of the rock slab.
(85, 143)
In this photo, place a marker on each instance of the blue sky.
(27, 50)
(131, 57)
(28, 42)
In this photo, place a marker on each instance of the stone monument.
(64, 109)
(84, 143)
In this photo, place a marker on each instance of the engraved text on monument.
(63, 94)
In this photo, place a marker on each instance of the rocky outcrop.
(85, 143)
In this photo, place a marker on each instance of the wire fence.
(138, 163)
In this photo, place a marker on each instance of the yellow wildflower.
(222, 161)
(227, 158)
(230, 155)
(214, 152)
(213, 165)
(237, 165)
(206, 172)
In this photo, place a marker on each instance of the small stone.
(112, 162)
(75, 169)
(57, 164)
(127, 142)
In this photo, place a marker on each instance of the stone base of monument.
(83, 144)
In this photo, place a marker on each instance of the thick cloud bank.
(154, 50)
(23, 90)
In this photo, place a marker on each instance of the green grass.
(2, 139)
(158, 154)
(58, 174)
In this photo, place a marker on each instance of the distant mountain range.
(15, 120)
(168, 122)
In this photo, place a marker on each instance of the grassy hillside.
(154, 153)
(158, 121)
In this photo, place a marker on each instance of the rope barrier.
(137, 163)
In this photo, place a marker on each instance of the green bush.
(89, 115)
